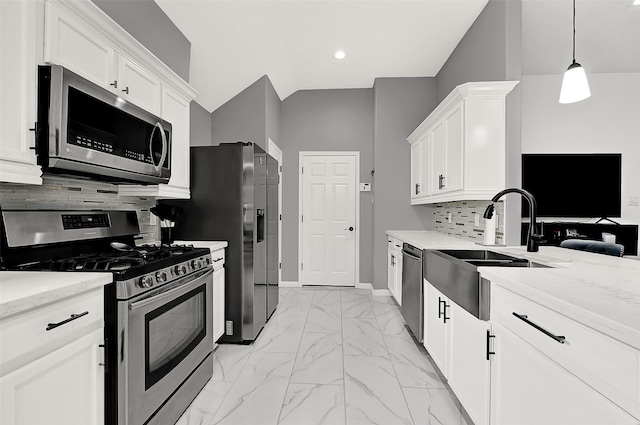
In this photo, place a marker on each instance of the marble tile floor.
(328, 356)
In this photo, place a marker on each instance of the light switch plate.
(365, 187)
(476, 217)
(152, 219)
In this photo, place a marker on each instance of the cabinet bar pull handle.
(114, 84)
(417, 188)
(444, 312)
(439, 309)
(217, 259)
(489, 336)
(106, 355)
(73, 317)
(126, 90)
(523, 317)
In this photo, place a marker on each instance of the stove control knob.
(146, 281)
(161, 277)
(196, 264)
(180, 269)
(207, 260)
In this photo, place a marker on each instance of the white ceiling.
(235, 42)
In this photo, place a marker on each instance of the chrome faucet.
(532, 238)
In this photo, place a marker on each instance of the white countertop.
(24, 290)
(600, 291)
(212, 245)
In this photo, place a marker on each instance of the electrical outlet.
(476, 218)
(448, 217)
(634, 201)
(152, 219)
(496, 220)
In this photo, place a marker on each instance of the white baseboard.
(374, 292)
(290, 284)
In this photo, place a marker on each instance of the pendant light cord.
(574, 31)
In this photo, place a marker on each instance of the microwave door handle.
(163, 156)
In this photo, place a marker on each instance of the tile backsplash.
(66, 193)
(463, 221)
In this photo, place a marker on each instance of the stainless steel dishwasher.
(412, 298)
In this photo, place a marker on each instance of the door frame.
(301, 156)
(274, 150)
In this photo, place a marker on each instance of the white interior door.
(329, 218)
(276, 152)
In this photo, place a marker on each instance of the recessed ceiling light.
(340, 55)
(636, 2)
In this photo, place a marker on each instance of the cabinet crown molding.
(123, 42)
(484, 90)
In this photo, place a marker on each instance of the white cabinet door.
(218, 304)
(72, 44)
(454, 159)
(139, 86)
(65, 387)
(391, 272)
(18, 67)
(416, 170)
(438, 136)
(528, 388)
(175, 109)
(469, 368)
(398, 277)
(436, 326)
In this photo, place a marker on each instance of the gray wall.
(200, 130)
(273, 112)
(248, 116)
(400, 105)
(148, 23)
(325, 120)
(491, 51)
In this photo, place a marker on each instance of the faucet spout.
(532, 238)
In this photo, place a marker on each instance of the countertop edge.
(55, 293)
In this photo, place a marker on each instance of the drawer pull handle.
(489, 352)
(523, 317)
(73, 317)
(217, 259)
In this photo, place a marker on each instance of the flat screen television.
(573, 185)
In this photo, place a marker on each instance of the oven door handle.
(171, 292)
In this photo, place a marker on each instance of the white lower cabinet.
(52, 363)
(394, 268)
(65, 387)
(457, 342)
(470, 362)
(218, 304)
(528, 388)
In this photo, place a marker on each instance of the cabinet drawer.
(25, 336)
(609, 366)
(218, 258)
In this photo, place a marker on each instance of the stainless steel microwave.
(86, 130)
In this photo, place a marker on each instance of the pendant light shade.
(575, 86)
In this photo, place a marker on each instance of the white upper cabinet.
(465, 140)
(82, 38)
(21, 53)
(138, 86)
(71, 43)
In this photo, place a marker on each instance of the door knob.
(349, 229)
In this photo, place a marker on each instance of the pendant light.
(575, 86)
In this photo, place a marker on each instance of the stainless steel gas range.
(158, 310)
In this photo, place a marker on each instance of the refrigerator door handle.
(260, 224)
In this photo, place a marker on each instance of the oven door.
(168, 333)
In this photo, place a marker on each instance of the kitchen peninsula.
(565, 336)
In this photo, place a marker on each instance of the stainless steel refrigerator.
(234, 198)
